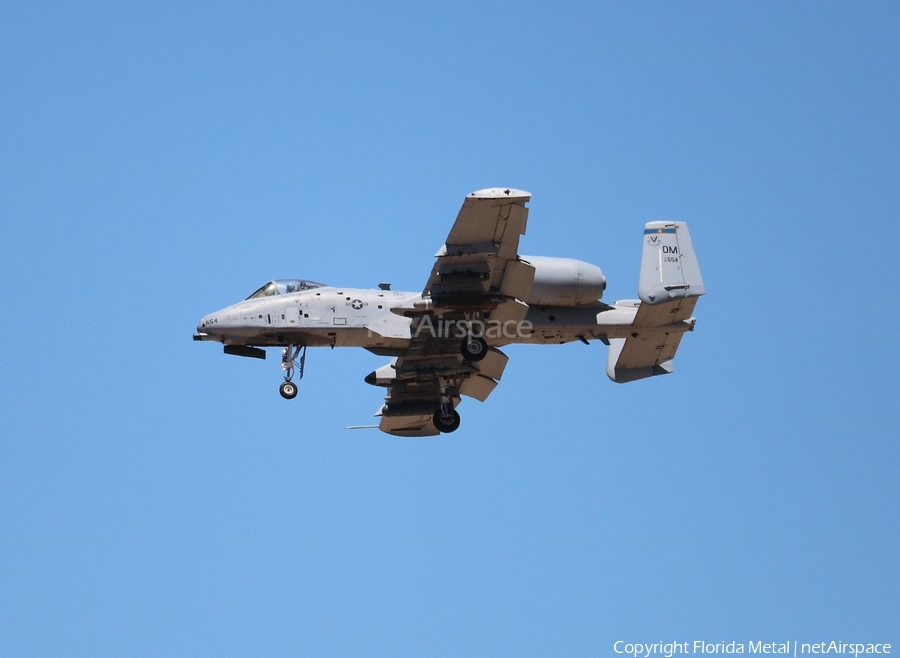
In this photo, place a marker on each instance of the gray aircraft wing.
(479, 267)
(477, 270)
(414, 384)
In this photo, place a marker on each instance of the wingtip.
(500, 193)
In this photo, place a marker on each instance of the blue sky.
(163, 161)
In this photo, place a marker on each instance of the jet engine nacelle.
(564, 281)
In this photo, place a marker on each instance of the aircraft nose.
(213, 326)
(207, 323)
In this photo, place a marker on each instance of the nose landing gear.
(290, 363)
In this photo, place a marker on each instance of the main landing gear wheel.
(444, 423)
(288, 390)
(473, 348)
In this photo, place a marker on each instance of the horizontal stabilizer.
(633, 359)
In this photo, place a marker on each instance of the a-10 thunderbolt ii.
(481, 295)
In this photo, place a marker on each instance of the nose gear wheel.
(288, 390)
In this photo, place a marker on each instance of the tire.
(473, 348)
(288, 390)
(443, 426)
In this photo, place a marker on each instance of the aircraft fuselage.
(353, 317)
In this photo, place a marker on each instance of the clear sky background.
(161, 161)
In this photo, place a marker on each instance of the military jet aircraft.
(443, 342)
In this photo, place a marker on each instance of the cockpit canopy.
(285, 287)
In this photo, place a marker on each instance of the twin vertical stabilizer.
(669, 286)
(669, 268)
